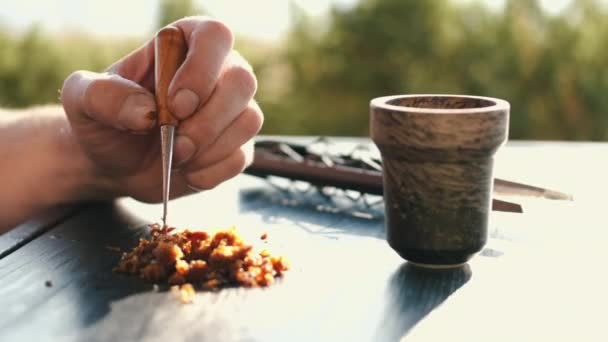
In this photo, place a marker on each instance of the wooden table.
(541, 277)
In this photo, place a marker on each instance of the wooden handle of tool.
(169, 53)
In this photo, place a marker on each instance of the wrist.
(66, 174)
(79, 179)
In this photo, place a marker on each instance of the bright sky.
(264, 19)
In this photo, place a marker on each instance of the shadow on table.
(64, 279)
(317, 212)
(413, 293)
(93, 235)
(329, 216)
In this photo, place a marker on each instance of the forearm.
(43, 165)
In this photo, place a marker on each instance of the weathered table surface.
(541, 277)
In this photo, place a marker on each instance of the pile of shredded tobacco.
(206, 260)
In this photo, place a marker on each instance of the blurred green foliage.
(171, 10)
(553, 69)
(34, 65)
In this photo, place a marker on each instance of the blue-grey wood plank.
(29, 230)
(540, 277)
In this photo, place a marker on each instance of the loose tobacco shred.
(207, 260)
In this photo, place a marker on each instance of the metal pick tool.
(167, 132)
(169, 53)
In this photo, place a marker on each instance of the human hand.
(112, 115)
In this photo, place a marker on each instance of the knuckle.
(72, 78)
(94, 88)
(241, 160)
(243, 78)
(218, 30)
(254, 119)
(72, 86)
(202, 132)
(100, 83)
(207, 133)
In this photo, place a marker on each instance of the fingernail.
(185, 103)
(184, 149)
(137, 113)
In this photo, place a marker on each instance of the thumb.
(108, 99)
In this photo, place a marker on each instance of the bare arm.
(43, 165)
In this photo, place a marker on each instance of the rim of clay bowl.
(383, 102)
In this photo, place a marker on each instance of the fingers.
(108, 99)
(211, 94)
(240, 131)
(210, 177)
(208, 61)
(209, 42)
(185, 183)
(232, 94)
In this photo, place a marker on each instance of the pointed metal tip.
(167, 133)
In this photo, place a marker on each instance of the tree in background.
(25, 70)
(553, 69)
(33, 65)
